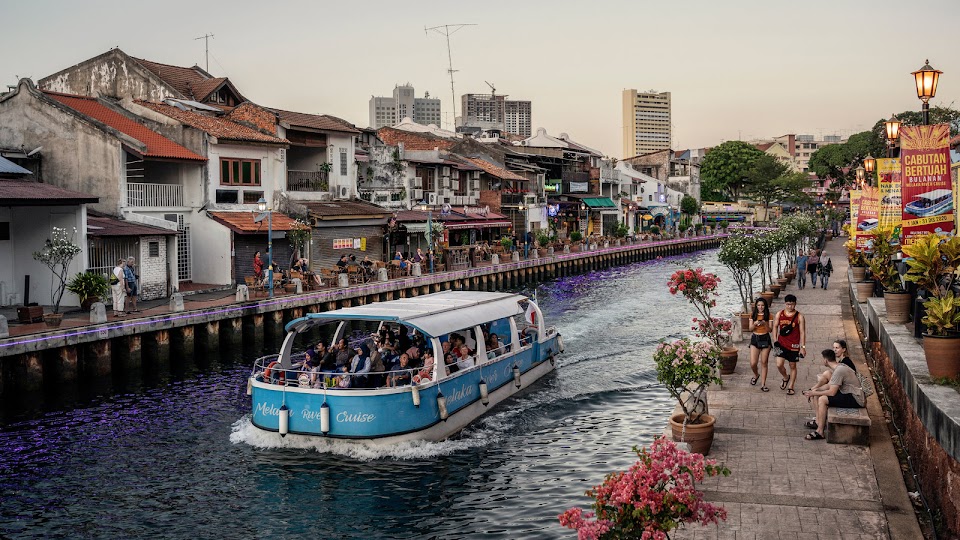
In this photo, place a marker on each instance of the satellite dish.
(34, 151)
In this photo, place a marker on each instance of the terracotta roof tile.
(218, 127)
(495, 170)
(109, 226)
(414, 141)
(242, 222)
(25, 193)
(316, 121)
(337, 209)
(192, 82)
(157, 145)
(763, 147)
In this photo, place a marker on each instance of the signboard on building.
(579, 187)
(927, 190)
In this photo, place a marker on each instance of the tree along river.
(174, 455)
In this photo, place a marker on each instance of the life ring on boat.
(267, 373)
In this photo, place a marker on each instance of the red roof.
(157, 145)
(192, 82)
(109, 226)
(316, 121)
(218, 127)
(25, 193)
(414, 141)
(242, 222)
(495, 170)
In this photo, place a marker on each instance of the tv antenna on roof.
(206, 41)
(445, 30)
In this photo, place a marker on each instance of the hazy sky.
(736, 68)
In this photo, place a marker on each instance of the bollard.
(495, 259)
(176, 302)
(550, 251)
(566, 248)
(243, 293)
(298, 284)
(515, 257)
(343, 280)
(382, 274)
(415, 270)
(98, 313)
(4, 328)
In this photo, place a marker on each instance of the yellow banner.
(854, 211)
(888, 173)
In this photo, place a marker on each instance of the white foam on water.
(243, 431)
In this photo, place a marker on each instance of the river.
(177, 457)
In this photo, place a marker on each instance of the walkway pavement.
(782, 486)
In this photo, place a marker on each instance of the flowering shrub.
(685, 363)
(654, 496)
(700, 288)
(716, 329)
(57, 254)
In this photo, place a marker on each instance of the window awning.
(599, 202)
(476, 224)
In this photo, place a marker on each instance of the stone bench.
(848, 426)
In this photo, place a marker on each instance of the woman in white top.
(117, 288)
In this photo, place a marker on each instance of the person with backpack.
(790, 330)
(826, 268)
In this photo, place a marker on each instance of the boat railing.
(267, 369)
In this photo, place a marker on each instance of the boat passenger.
(402, 378)
(376, 377)
(425, 374)
(344, 354)
(360, 366)
(493, 346)
(465, 361)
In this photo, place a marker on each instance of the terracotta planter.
(698, 436)
(575, 248)
(859, 272)
(789, 274)
(943, 355)
(745, 322)
(776, 290)
(53, 320)
(768, 296)
(542, 252)
(290, 288)
(783, 283)
(864, 290)
(87, 303)
(728, 360)
(898, 306)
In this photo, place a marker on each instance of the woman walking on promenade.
(791, 330)
(760, 342)
(813, 266)
(826, 268)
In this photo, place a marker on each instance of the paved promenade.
(782, 486)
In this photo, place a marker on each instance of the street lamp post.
(426, 208)
(861, 174)
(927, 79)
(526, 245)
(893, 133)
(262, 206)
(583, 208)
(869, 164)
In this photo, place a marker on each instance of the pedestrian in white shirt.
(118, 288)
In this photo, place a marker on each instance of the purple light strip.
(470, 272)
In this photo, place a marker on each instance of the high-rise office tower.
(646, 122)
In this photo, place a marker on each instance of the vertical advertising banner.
(854, 210)
(888, 172)
(927, 191)
(867, 216)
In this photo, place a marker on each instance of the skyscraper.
(389, 111)
(646, 122)
(495, 111)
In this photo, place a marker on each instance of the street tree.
(689, 207)
(772, 182)
(723, 172)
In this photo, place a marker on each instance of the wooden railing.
(154, 195)
(308, 181)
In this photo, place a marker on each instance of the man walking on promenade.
(801, 270)
(791, 334)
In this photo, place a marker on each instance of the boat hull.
(389, 415)
(930, 210)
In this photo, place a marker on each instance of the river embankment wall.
(927, 414)
(28, 363)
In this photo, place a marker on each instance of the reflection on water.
(167, 449)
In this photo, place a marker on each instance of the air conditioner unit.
(446, 171)
(447, 200)
(418, 194)
(344, 192)
(418, 182)
(446, 183)
(475, 184)
(432, 198)
(455, 185)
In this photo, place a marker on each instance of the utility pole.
(445, 30)
(206, 42)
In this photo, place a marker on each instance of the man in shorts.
(843, 390)
(790, 333)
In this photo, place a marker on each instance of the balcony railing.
(308, 181)
(154, 195)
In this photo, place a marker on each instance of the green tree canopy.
(689, 205)
(723, 171)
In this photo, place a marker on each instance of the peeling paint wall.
(113, 74)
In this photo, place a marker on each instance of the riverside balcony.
(315, 181)
(147, 195)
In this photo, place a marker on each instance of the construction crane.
(493, 90)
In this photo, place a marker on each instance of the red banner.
(868, 216)
(927, 191)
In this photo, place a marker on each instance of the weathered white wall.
(110, 74)
(273, 173)
(212, 251)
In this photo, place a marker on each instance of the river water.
(177, 457)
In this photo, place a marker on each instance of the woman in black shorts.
(760, 342)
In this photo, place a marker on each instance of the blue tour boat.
(288, 396)
(931, 203)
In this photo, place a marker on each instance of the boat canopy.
(935, 194)
(435, 314)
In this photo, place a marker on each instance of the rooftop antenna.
(445, 30)
(206, 46)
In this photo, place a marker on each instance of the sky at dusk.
(737, 69)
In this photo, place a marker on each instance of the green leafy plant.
(724, 224)
(942, 314)
(325, 167)
(89, 285)
(506, 242)
(576, 236)
(654, 230)
(881, 263)
(684, 367)
(543, 238)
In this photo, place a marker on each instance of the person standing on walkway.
(130, 274)
(840, 352)
(826, 268)
(258, 267)
(760, 342)
(118, 287)
(801, 270)
(813, 265)
(844, 390)
(791, 331)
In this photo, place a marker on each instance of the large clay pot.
(864, 290)
(898, 306)
(745, 322)
(943, 355)
(53, 320)
(783, 283)
(776, 290)
(728, 360)
(768, 296)
(859, 272)
(698, 436)
(789, 274)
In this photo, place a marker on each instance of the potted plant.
(685, 368)
(656, 495)
(932, 266)
(543, 240)
(507, 244)
(575, 238)
(738, 256)
(58, 252)
(723, 225)
(895, 299)
(655, 230)
(857, 260)
(700, 289)
(89, 288)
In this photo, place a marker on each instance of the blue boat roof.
(434, 314)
